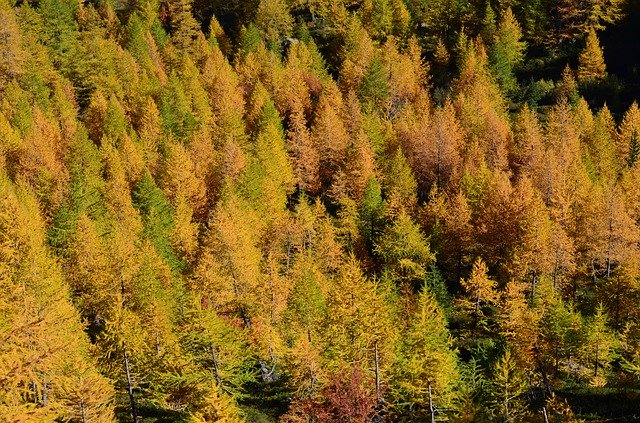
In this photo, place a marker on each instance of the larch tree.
(591, 64)
(506, 51)
(426, 371)
(399, 186)
(179, 178)
(13, 56)
(218, 350)
(359, 326)
(273, 21)
(509, 386)
(405, 251)
(629, 134)
(157, 217)
(377, 17)
(305, 158)
(457, 233)
(532, 256)
(228, 271)
(528, 151)
(568, 87)
(519, 324)
(306, 311)
(329, 134)
(578, 18)
(269, 177)
(45, 363)
(446, 147)
(599, 342)
(480, 290)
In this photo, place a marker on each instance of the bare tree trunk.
(83, 412)
(544, 413)
(34, 389)
(45, 396)
(534, 282)
(132, 401)
(432, 410)
(215, 364)
(377, 373)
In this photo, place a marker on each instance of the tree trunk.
(132, 400)
(377, 373)
(432, 409)
(543, 372)
(83, 412)
(45, 396)
(215, 364)
(534, 282)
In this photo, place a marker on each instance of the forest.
(308, 211)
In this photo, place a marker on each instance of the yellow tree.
(303, 318)
(47, 373)
(359, 168)
(329, 134)
(149, 132)
(528, 149)
(273, 21)
(179, 178)
(480, 290)
(13, 58)
(305, 158)
(519, 324)
(576, 18)
(359, 325)
(41, 160)
(405, 251)
(564, 179)
(509, 386)
(532, 256)
(591, 64)
(228, 271)
(425, 374)
(597, 350)
(399, 186)
(628, 139)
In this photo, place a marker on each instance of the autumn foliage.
(315, 211)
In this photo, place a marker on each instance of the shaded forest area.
(306, 211)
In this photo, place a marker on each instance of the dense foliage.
(316, 211)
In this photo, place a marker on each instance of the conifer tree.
(359, 328)
(576, 19)
(399, 186)
(507, 50)
(45, 357)
(157, 215)
(426, 373)
(305, 159)
(568, 87)
(329, 134)
(405, 251)
(599, 343)
(509, 387)
(591, 64)
(629, 131)
(228, 272)
(273, 21)
(179, 178)
(480, 289)
(13, 57)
